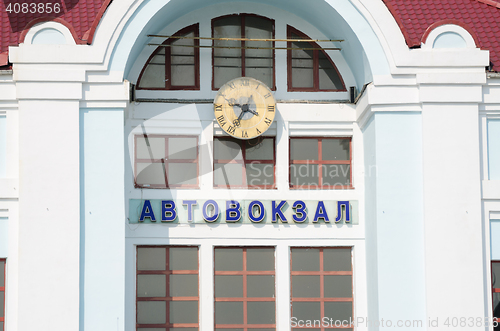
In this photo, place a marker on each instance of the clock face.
(244, 108)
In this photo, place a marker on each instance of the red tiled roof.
(480, 17)
(415, 18)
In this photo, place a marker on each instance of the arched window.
(310, 70)
(176, 66)
(239, 58)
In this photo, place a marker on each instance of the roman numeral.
(258, 131)
(221, 120)
(245, 82)
(230, 129)
(244, 134)
(267, 95)
(218, 107)
(270, 108)
(231, 86)
(268, 121)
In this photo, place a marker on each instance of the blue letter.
(321, 213)
(189, 203)
(341, 210)
(276, 210)
(233, 213)
(170, 210)
(262, 211)
(216, 211)
(300, 210)
(147, 211)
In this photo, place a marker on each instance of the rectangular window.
(245, 288)
(495, 284)
(167, 288)
(166, 161)
(2, 294)
(320, 163)
(244, 163)
(321, 285)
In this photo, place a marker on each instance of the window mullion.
(243, 44)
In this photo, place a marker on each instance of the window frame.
(166, 162)
(2, 289)
(167, 298)
(242, 144)
(321, 273)
(168, 65)
(242, 44)
(245, 299)
(320, 163)
(315, 88)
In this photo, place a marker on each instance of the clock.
(244, 107)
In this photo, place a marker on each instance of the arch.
(56, 23)
(455, 26)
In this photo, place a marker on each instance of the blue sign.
(244, 211)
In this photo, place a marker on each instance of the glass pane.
(227, 150)
(183, 258)
(183, 285)
(302, 175)
(151, 329)
(183, 311)
(1, 326)
(259, 173)
(306, 286)
(260, 259)
(335, 149)
(228, 259)
(2, 273)
(182, 173)
(496, 305)
(228, 312)
(336, 174)
(307, 310)
(151, 312)
(260, 286)
(302, 64)
(305, 259)
(495, 270)
(149, 258)
(154, 74)
(337, 259)
(228, 286)
(227, 62)
(328, 76)
(183, 62)
(182, 148)
(338, 286)
(228, 174)
(303, 149)
(259, 62)
(261, 313)
(151, 285)
(2, 302)
(263, 150)
(150, 173)
(338, 310)
(150, 148)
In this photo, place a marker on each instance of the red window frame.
(168, 53)
(242, 44)
(494, 289)
(245, 299)
(2, 289)
(322, 273)
(166, 162)
(320, 163)
(315, 87)
(242, 144)
(167, 298)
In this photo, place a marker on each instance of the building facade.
(251, 165)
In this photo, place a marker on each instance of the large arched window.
(240, 58)
(310, 70)
(175, 66)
